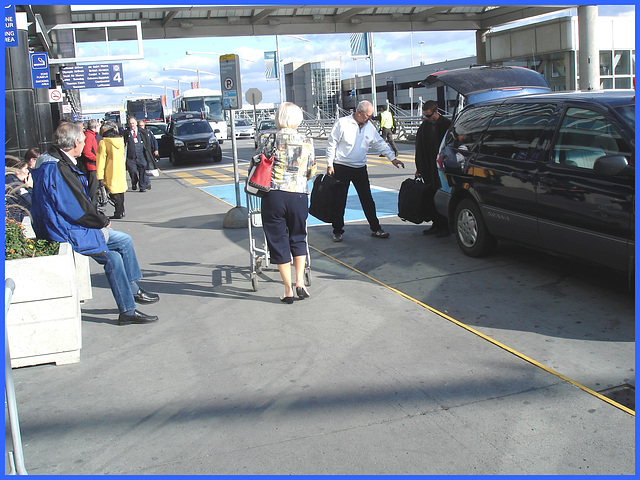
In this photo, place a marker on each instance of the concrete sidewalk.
(356, 379)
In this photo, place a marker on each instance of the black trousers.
(118, 202)
(360, 179)
(138, 174)
(92, 183)
(387, 135)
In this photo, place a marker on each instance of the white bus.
(207, 101)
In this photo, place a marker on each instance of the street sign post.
(232, 100)
(254, 97)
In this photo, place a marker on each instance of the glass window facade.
(617, 68)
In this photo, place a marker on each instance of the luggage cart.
(259, 251)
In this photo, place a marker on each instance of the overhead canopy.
(171, 21)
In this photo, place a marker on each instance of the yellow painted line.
(217, 175)
(485, 337)
(192, 179)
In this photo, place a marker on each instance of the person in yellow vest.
(387, 126)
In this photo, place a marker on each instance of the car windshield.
(192, 128)
(155, 129)
(628, 112)
(267, 124)
(242, 123)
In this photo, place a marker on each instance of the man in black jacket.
(139, 154)
(428, 138)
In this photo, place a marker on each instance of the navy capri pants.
(284, 221)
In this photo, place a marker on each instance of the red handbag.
(259, 178)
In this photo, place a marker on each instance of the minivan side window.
(516, 129)
(584, 136)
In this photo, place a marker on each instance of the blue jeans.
(121, 266)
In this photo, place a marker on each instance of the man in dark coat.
(139, 154)
(430, 134)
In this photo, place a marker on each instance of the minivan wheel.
(172, 159)
(471, 233)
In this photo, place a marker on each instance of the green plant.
(17, 245)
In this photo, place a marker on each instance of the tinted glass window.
(584, 136)
(515, 130)
(192, 128)
(469, 125)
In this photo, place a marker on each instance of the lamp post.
(192, 70)
(190, 52)
(421, 42)
(152, 79)
(278, 61)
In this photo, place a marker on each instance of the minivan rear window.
(515, 130)
(469, 125)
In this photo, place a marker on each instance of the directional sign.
(93, 76)
(40, 70)
(230, 81)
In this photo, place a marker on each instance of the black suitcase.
(326, 195)
(414, 199)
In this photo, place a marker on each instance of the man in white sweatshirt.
(347, 148)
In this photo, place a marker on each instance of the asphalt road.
(571, 317)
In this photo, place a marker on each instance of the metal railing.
(16, 458)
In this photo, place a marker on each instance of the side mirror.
(612, 165)
(217, 130)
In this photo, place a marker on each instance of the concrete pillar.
(589, 55)
(21, 121)
(481, 46)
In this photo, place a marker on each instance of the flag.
(195, 85)
(270, 65)
(176, 93)
(352, 93)
(359, 45)
(163, 98)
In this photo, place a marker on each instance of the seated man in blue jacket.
(62, 211)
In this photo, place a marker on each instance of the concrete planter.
(43, 321)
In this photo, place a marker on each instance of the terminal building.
(549, 47)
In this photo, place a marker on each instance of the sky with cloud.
(392, 51)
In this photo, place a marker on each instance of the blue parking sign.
(40, 70)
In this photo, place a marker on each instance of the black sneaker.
(380, 234)
(337, 237)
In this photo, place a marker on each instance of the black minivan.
(552, 171)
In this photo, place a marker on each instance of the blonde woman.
(111, 166)
(284, 208)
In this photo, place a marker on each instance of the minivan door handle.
(548, 182)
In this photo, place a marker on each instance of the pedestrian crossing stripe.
(217, 175)
(192, 179)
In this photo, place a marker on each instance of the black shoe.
(134, 187)
(117, 216)
(302, 293)
(137, 317)
(146, 297)
(287, 300)
(148, 186)
(142, 190)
